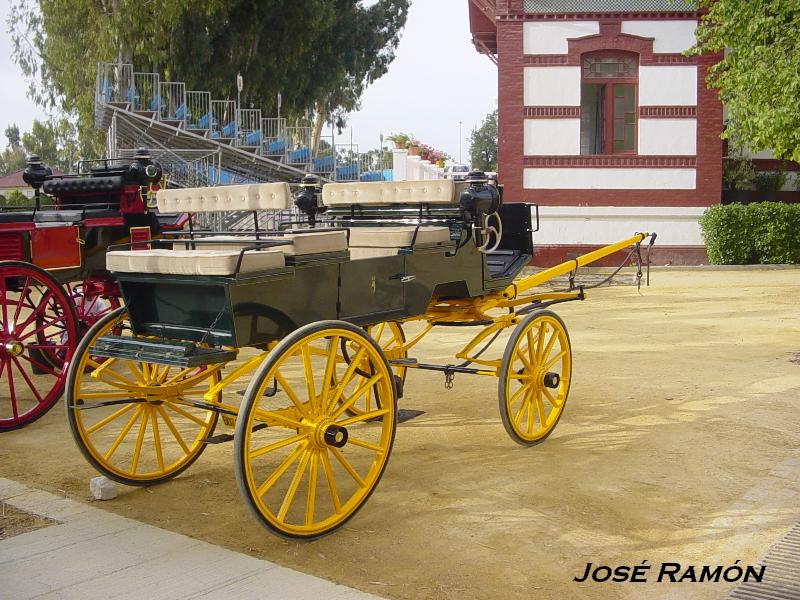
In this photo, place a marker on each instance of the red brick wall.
(512, 112)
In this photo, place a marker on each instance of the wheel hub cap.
(14, 348)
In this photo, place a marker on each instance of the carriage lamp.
(306, 199)
(143, 170)
(35, 174)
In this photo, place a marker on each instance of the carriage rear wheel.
(137, 422)
(303, 463)
(535, 375)
(36, 317)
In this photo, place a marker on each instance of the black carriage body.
(253, 309)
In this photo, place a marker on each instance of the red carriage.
(53, 280)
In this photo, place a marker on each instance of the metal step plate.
(159, 351)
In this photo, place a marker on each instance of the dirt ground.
(680, 442)
(14, 521)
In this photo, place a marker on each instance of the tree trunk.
(320, 115)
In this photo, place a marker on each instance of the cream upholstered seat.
(193, 262)
(301, 243)
(202, 261)
(369, 242)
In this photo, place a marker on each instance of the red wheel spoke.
(42, 327)
(5, 304)
(22, 296)
(42, 305)
(26, 378)
(40, 366)
(14, 408)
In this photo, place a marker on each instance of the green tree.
(759, 77)
(15, 198)
(13, 157)
(319, 54)
(483, 144)
(55, 141)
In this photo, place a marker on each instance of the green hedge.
(764, 232)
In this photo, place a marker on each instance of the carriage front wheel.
(535, 375)
(137, 422)
(37, 319)
(304, 463)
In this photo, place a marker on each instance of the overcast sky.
(436, 80)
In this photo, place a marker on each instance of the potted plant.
(400, 140)
(413, 147)
(737, 179)
(769, 183)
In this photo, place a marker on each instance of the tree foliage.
(55, 141)
(483, 144)
(759, 77)
(319, 54)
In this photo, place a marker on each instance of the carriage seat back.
(371, 242)
(224, 198)
(428, 191)
(85, 190)
(193, 262)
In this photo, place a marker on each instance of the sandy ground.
(680, 442)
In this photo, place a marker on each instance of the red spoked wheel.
(38, 335)
(92, 299)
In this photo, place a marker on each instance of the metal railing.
(172, 101)
(198, 111)
(223, 119)
(146, 92)
(298, 145)
(249, 133)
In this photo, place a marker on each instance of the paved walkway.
(95, 554)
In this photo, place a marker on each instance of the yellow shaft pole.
(539, 278)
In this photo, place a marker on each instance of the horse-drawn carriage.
(312, 312)
(53, 280)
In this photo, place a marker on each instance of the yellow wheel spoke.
(292, 395)
(540, 410)
(185, 413)
(157, 441)
(163, 376)
(529, 402)
(139, 439)
(312, 487)
(521, 412)
(290, 493)
(516, 394)
(308, 373)
(363, 444)
(549, 346)
(531, 344)
(171, 426)
(180, 375)
(109, 418)
(326, 466)
(348, 375)
(140, 378)
(348, 467)
(330, 367)
(365, 417)
(556, 358)
(280, 470)
(539, 342)
(553, 399)
(356, 395)
(280, 444)
(123, 433)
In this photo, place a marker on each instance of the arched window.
(608, 102)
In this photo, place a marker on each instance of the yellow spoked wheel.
(390, 337)
(534, 377)
(136, 422)
(303, 463)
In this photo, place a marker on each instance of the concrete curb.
(92, 554)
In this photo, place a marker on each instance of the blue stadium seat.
(180, 112)
(276, 147)
(322, 164)
(347, 173)
(301, 155)
(229, 130)
(253, 138)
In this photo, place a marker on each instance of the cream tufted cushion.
(301, 243)
(192, 262)
(369, 242)
(260, 196)
(435, 191)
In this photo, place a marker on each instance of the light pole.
(459, 144)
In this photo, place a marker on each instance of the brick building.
(603, 121)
